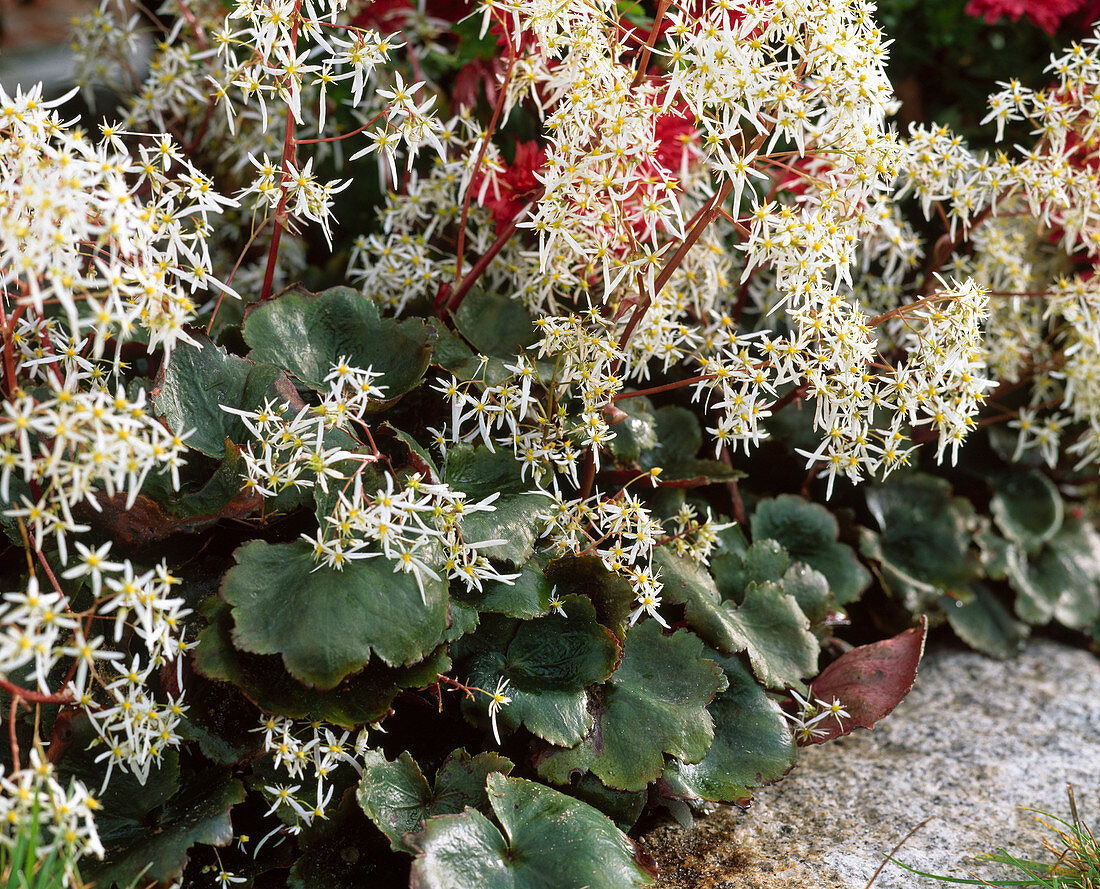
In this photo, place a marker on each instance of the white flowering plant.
(520, 394)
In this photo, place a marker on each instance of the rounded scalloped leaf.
(479, 472)
(811, 591)
(514, 519)
(1026, 507)
(156, 847)
(985, 624)
(808, 531)
(771, 628)
(195, 383)
(549, 839)
(1063, 581)
(307, 333)
(361, 698)
(636, 431)
(763, 561)
(325, 623)
(397, 798)
(624, 807)
(688, 583)
(495, 325)
(923, 547)
(1079, 605)
(548, 662)
(678, 437)
(654, 703)
(609, 592)
(752, 744)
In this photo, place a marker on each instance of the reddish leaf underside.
(870, 681)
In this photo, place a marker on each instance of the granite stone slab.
(975, 740)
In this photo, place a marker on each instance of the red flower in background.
(516, 185)
(1046, 14)
(676, 134)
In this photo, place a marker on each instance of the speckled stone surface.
(975, 739)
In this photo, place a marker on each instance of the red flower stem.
(665, 388)
(705, 218)
(189, 17)
(34, 697)
(588, 473)
(647, 50)
(482, 264)
(204, 125)
(498, 109)
(10, 384)
(288, 153)
(348, 135)
(232, 274)
(794, 395)
(737, 505)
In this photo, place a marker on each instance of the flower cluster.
(414, 522)
(304, 752)
(116, 237)
(111, 681)
(1033, 221)
(65, 818)
(1045, 14)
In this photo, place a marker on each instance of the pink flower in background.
(1046, 14)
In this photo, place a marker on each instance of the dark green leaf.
(996, 553)
(1063, 581)
(765, 560)
(325, 623)
(396, 796)
(548, 662)
(985, 624)
(924, 545)
(421, 459)
(808, 532)
(514, 520)
(624, 807)
(1026, 507)
(772, 629)
(361, 698)
(552, 840)
(495, 325)
(220, 719)
(195, 384)
(343, 851)
(480, 473)
(635, 433)
(528, 596)
(586, 576)
(752, 743)
(678, 439)
(810, 590)
(688, 583)
(148, 829)
(454, 356)
(654, 703)
(1079, 605)
(308, 333)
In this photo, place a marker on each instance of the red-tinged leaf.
(870, 681)
(146, 521)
